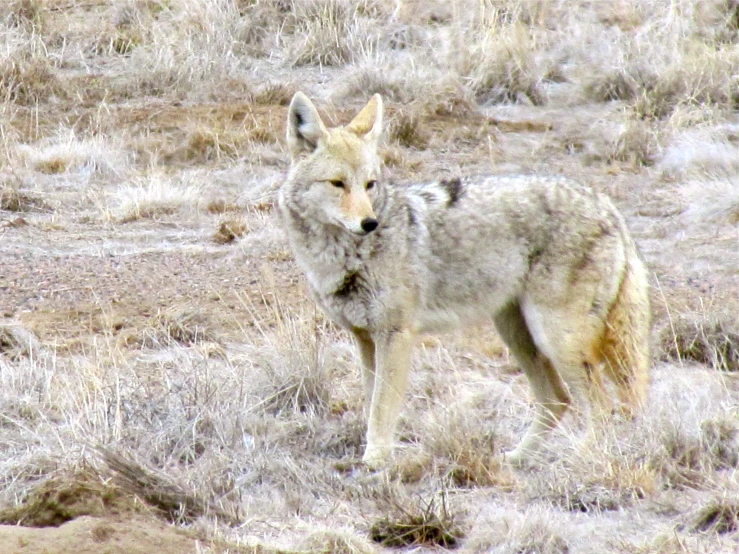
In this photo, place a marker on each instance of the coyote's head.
(335, 172)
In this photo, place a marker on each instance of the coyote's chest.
(343, 287)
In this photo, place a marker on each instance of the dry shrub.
(714, 201)
(218, 142)
(464, 442)
(372, 79)
(16, 342)
(274, 94)
(67, 152)
(298, 366)
(423, 522)
(617, 84)
(704, 338)
(720, 516)
(702, 76)
(265, 22)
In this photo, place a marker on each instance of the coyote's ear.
(368, 122)
(304, 125)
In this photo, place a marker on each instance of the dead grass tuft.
(153, 197)
(336, 541)
(704, 76)
(406, 128)
(720, 516)
(29, 80)
(230, 230)
(61, 499)
(424, 522)
(329, 32)
(535, 532)
(16, 342)
(12, 199)
(28, 14)
(616, 84)
(500, 66)
(714, 201)
(298, 367)
(173, 501)
(687, 460)
(464, 445)
(637, 144)
(615, 485)
(703, 338)
(184, 325)
(274, 94)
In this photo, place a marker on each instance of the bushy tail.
(626, 341)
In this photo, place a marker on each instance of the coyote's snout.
(549, 261)
(338, 168)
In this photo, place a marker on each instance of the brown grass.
(28, 80)
(702, 338)
(66, 497)
(720, 516)
(230, 230)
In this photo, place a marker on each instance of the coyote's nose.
(369, 224)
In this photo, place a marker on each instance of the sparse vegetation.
(721, 516)
(702, 338)
(150, 308)
(423, 522)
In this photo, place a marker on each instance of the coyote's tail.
(626, 340)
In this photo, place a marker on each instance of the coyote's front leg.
(366, 347)
(392, 363)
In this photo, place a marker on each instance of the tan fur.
(549, 261)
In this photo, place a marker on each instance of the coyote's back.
(549, 261)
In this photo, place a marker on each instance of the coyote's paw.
(516, 457)
(376, 457)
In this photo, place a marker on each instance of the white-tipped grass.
(70, 154)
(713, 201)
(330, 33)
(701, 152)
(501, 63)
(188, 45)
(154, 196)
(537, 530)
(682, 441)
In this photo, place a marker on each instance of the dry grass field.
(166, 385)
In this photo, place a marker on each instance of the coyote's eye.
(338, 184)
(370, 184)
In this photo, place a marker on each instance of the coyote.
(551, 262)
